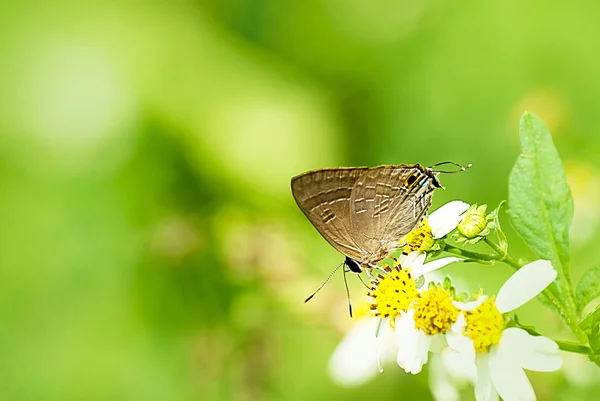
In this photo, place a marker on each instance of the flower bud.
(473, 221)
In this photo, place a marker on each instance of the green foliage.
(588, 287)
(494, 217)
(541, 206)
(594, 337)
(541, 210)
(588, 322)
(167, 260)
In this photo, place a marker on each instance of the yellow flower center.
(420, 239)
(434, 311)
(484, 325)
(393, 292)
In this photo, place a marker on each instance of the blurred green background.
(150, 248)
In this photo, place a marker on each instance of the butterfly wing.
(324, 198)
(387, 202)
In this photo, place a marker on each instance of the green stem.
(550, 296)
(470, 255)
(572, 322)
(548, 293)
(504, 256)
(573, 347)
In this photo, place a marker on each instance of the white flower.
(500, 353)
(446, 218)
(359, 356)
(439, 224)
(416, 263)
(421, 328)
(448, 373)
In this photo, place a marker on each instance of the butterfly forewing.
(364, 212)
(324, 197)
(383, 205)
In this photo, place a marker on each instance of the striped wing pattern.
(363, 212)
(324, 198)
(387, 203)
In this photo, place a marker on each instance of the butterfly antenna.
(347, 291)
(461, 168)
(324, 282)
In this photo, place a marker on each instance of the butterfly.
(363, 212)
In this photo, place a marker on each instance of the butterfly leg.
(346, 270)
(381, 269)
(363, 282)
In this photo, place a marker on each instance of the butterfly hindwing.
(324, 197)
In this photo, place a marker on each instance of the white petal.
(354, 361)
(438, 343)
(525, 285)
(442, 386)
(461, 351)
(435, 276)
(484, 388)
(509, 378)
(462, 345)
(386, 343)
(410, 260)
(530, 352)
(422, 269)
(446, 218)
(459, 368)
(471, 305)
(413, 344)
(459, 325)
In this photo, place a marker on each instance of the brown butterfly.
(363, 212)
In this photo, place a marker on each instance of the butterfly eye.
(411, 180)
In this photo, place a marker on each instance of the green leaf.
(595, 359)
(494, 216)
(594, 337)
(541, 205)
(588, 287)
(592, 318)
(551, 300)
(516, 323)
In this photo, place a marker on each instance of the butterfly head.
(433, 178)
(353, 265)
(433, 172)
